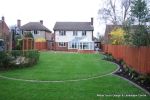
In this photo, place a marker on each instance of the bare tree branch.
(112, 11)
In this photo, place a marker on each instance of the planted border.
(18, 58)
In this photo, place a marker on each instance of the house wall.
(58, 48)
(48, 36)
(41, 34)
(5, 34)
(69, 36)
(39, 40)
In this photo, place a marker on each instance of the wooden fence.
(137, 58)
(27, 44)
(41, 45)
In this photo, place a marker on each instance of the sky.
(51, 11)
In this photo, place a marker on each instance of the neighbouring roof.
(108, 29)
(4, 27)
(73, 26)
(34, 26)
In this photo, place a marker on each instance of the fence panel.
(41, 45)
(137, 58)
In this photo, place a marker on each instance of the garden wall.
(137, 58)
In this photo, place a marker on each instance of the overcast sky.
(50, 11)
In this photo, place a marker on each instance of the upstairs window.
(36, 32)
(83, 33)
(75, 33)
(62, 33)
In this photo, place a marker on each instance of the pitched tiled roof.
(34, 26)
(75, 26)
(3, 27)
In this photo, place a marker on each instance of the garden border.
(133, 84)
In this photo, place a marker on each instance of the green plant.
(137, 35)
(4, 59)
(16, 53)
(19, 43)
(126, 69)
(144, 78)
(33, 56)
(117, 36)
(108, 57)
(18, 58)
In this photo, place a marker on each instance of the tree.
(138, 35)
(139, 11)
(117, 36)
(125, 8)
(115, 11)
(108, 13)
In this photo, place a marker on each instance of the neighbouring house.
(40, 33)
(108, 30)
(74, 36)
(5, 34)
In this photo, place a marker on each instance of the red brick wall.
(6, 34)
(57, 48)
(72, 50)
(86, 51)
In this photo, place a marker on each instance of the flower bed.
(129, 73)
(18, 58)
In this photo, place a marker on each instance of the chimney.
(41, 21)
(92, 21)
(18, 23)
(3, 18)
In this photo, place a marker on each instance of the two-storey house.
(74, 36)
(40, 33)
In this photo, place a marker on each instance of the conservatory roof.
(80, 39)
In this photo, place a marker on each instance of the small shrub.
(32, 55)
(16, 53)
(144, 79)
(4, 59)
(117, 36)
(18, 58)
(108, 57)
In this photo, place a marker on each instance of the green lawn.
(67, 66)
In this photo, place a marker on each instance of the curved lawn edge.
(144, 90)
(141, 88)
(60, 81)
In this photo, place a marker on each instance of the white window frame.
(61, 44)
(62, 33)
(75, 33)
(73, 47)
(83, 33)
